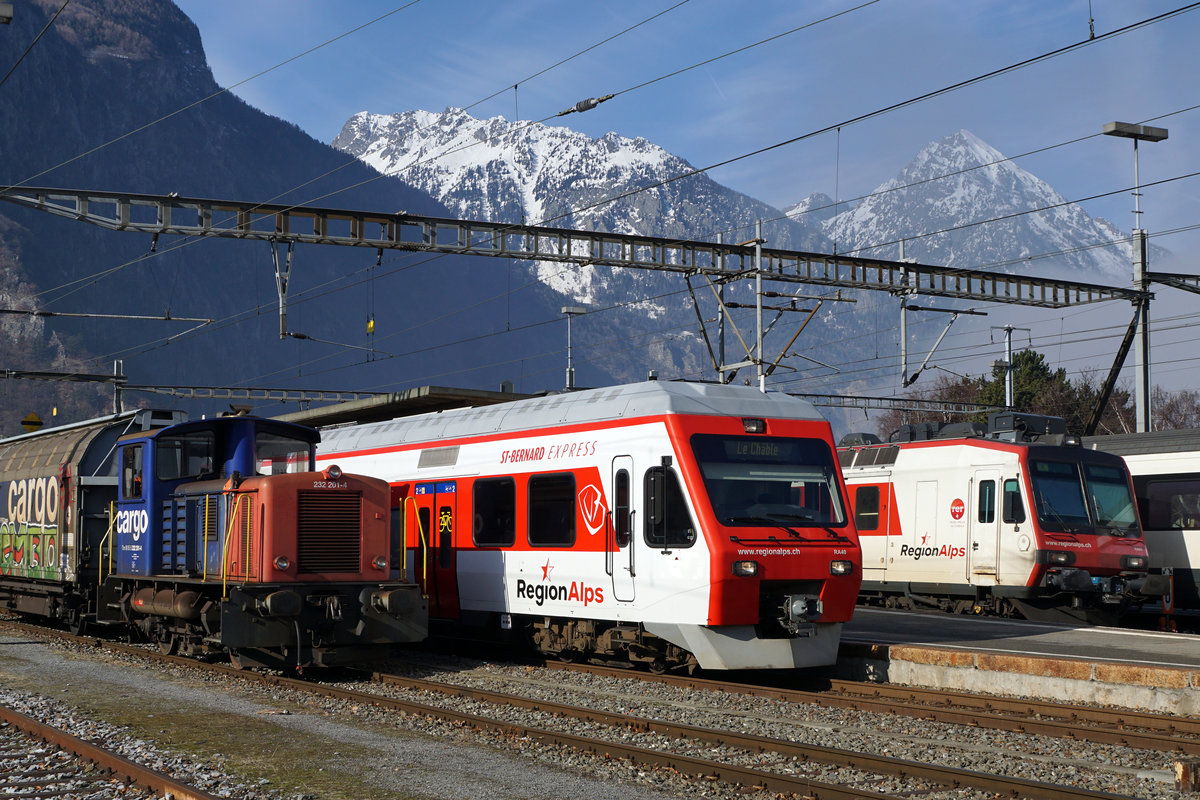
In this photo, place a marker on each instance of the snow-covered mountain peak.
(960, 202)
(502, 171)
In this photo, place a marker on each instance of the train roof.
(631, 401)
(87, 446)
(1133, 444)
(263, 424)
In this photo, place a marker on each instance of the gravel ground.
(68, 686)
(304, 747)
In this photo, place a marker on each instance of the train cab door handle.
(974, 545)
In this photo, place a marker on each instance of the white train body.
(607, 523)
(1165, 466)
(1012, 526)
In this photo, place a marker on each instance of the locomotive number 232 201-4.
(330, 485)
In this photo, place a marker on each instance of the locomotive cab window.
(754, 481)
(551, 510)
(1111, 504)
(185, 455)
(277, 455)
(668, 523)
(1014, 509)
(495, 518)
(131, 472)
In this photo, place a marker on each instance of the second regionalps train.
(1014, 519)
(662, 523)
(204, 536)
(1165, 466)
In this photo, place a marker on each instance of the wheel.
(76, 623)
(168, 644)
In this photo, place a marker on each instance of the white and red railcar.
(1015, 519)
(1165, 466)
(671, 524)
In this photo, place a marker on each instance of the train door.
(436, 516)
(619, 531)
(922, 537)
(984, 548)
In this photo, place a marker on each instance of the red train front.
(1013, 520)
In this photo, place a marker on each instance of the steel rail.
(951, 777)
(129, 770)
(1187, 726)
(711, 770)
(944, 776)
(889, 699)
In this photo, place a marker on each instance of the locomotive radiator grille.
(329, 532)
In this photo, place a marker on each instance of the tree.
(1037, 389)
(1174, 410)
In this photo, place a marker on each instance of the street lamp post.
(568, 312)
(1141, 257)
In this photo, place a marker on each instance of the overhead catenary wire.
(690, 173)
(36, 39)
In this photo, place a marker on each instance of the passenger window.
(424, 535)
(866, 508)
(495, 519)
(668, 523)
(1170, 502)
(445, 536)
(621, 521)
(987, 501)
(552, 510)
(396, 550)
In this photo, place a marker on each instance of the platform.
(1141, 670)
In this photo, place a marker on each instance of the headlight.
(334, 472)
(1133, 562)
(841, 567)
(380, 562)
(282, 563)
(745, 568)
(1059, 557)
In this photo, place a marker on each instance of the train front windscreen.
(1083, 497)
(764, 480)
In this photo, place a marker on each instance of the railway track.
(41, 761)
(1082, 723)
(707, 753)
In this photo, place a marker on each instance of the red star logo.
(923, 538)
(546, 569)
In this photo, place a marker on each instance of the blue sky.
(433, 54)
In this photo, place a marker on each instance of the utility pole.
(1141, 256)
(759, 356)
(568, 312)
(1007, 363)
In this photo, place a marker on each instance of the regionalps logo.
(576, 592)
(945, 551)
